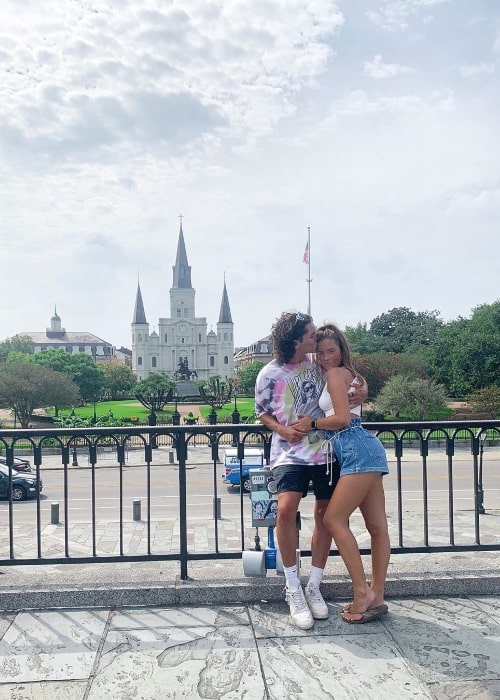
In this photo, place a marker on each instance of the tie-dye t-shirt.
(284, 391)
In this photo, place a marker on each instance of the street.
(203, 478)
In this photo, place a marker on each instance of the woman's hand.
(303, 423)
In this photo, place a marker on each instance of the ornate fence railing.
(442, 473)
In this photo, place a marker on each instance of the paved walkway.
(424, 648)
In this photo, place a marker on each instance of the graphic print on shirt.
(304, 391)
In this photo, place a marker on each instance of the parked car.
(20, 465)
(22, 486)
(254, 459)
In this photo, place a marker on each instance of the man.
(286, 387)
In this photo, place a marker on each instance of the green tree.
(377, 369)
(18, 343)
(118, 379)
(412, 398)
(25, 386)
(413, 364)
(215, 391)
(81, 367)
(466, 353)
(486, 400)
(246, 377)
(155, 391)
(362, 340)
(402, 329)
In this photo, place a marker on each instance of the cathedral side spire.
(139, 315)
(181, 269)
(225, 310)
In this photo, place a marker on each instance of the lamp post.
(176, 416)
(74, 462)
(235, 416)
(152, 421)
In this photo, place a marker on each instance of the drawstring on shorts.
(327, 449)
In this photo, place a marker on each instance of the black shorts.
(296, 478)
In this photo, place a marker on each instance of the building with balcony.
(260, 351)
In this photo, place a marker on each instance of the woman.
(363, 462)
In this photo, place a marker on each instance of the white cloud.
(396, 15)
(377, 69)
(473, 69)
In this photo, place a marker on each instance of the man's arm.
(288, 432)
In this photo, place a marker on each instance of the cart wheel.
(254, 563)
(279, 564)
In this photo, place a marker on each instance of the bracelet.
(313, 425)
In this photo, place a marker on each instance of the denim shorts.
(357, 450)
(296, 477)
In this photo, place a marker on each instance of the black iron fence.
(441, 475)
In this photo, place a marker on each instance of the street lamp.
(235, 416)
(176, 416)
(74, 462)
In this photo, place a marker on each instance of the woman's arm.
(338, 381)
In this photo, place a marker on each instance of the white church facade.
(182, 347)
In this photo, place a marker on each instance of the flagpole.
(309, 280)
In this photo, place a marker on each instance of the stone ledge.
(243, 590)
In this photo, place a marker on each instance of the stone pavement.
(136, 631)
(423, 648)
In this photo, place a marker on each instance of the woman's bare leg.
(373, 511)
(350, 492)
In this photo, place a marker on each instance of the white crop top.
(325, 401)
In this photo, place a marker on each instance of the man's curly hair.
(288, 328)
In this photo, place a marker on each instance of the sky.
(374, 124)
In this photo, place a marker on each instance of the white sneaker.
(316, 603)
(299, 610)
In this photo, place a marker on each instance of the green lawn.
(129, 409)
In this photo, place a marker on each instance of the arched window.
(153, 362)
(226, 359)
(212, 361)
(139, 361)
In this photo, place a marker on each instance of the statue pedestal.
(186, 387)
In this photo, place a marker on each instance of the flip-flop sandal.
(367, 616)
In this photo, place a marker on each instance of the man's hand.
(359, 395)
(290, 433)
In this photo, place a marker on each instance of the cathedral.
(182, 347)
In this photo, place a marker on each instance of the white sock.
(291, 577)
(315, 576)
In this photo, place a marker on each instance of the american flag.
(306, 253)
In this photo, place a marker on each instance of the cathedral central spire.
(181, 269)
